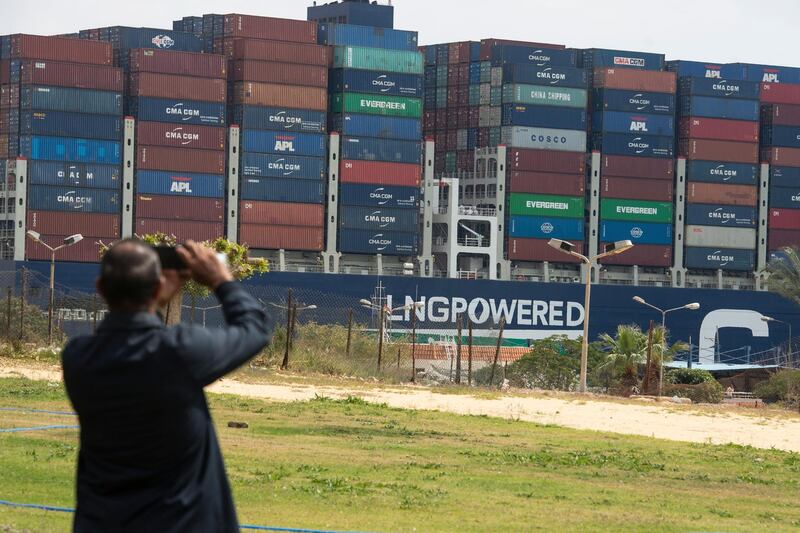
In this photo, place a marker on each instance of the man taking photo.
(149, 459)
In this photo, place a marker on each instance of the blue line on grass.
(24, 410)
(37, 428)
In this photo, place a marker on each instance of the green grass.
(348, 464)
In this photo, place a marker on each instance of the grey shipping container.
(716, 237)
(544, 138)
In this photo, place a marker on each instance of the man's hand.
(173, 282)
(204, 266)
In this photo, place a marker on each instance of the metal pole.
(380, 336)
(8, 315)
(469, 354)
(94, 313)
(497, 350)
(285, 362)
(349, 331)
(458, 349)
(663, 350)
(689, 360)
(52, 297)
(413, 346)
(398, 357)
(22, 304)
(585, 344)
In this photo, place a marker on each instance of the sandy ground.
(664, 421)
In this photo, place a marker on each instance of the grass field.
(349, 465)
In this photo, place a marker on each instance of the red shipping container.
(282, 237)
(4, 72)
(441, 119)
(465, 160)
(458, 52)
(784, 219)
(546, 183)
(377, 172)
(429, 120)
(538, 250)
(180, 135)
(277, 29)
(637, 189)
(178, 87)
(719, 194)
(488, 44)
(546, 161)
(60, 49)
(178, 63)
(717, 128)
(276, 95)
(87, 224)
(452, 118)
(707, 150)
(642, 255)
(285, 73)
(179, 208)
(637, 167)
(780, 93)
(451, 144)
(781, 114)
(180, 159)
(182, 230)
(473, 115)
(85, 251)
(780, 238)
(54, 73)
(440, 138)
(304, 54)
(635, 80)
(782, 157)
(281, 213)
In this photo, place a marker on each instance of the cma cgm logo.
(282, 117)
(163, 41)
(539, 57)
(629, 61)
(181, 185)
(639, 145)
(639, 124)
(382, 220)
(284, 144)
(547, 228)
(72, 199)
(384, 83)
(637, 232)
(381, 196)
(184, 137)
(186, 113)
(726, 173)
(379, 241)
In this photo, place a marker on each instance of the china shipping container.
(628, 144)
(59, 49)
(643, 210)
(280, 166)
(784, 176)
(545, 95)
(638, 123)
(354, 35)
(181, 136)
(636, 232)
(63, 124)
(70, 149)
(786, 136)
(87, 224)
(350, 124)
(177, 111)
(784, 219)
(601, 57)
(180, 184)
(721, 88)
(151, 85)
(656, 255)
(369, 149)
(713, 236)
(780, 115)
(70, 174)
(361, 241)
(180, 159)
(399, 174)
(546, 75)
(282, 190)
(721, 215)
(781, 156)
(85, 200)
(378, 219)
(184, 230)
(398, 106)
(281, 73)
(712, 193)
(538, 250)
(282, 119)
(378, 59)
(277, 95)
(282, 52)
(59, 74)
(380, 82)
(571, 229)
(70, 100)
(785, 197)
(707, 106)
(637, 189)
(722, 172)
(719, 129)
(780, 238)
(85, 251)
(780, 93)
(178, 63)
(546, 183)
(710, 150)
(282, 214)
(544, 138)
(272, 237)
(276, 29)
(284, 142)
(633, 101)
(636, 167)
(379, 196)
(632, 80)
(711, 258)
(173, 208)
(546, 161)
(543, 117)
(540, 205)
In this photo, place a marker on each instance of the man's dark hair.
(129, 274)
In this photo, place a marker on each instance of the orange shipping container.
(635, 80)
(707, 150)
(281, 237)
(273, 95)
(282, 214)
(85, 251)
(182, 230)
(782, 157)
(538, 250)
(178, 87)
(87, 224)
(717, 194)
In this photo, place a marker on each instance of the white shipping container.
(489, 117)
(497, 77)
(544, 138)
(462, 139)
(719, 237)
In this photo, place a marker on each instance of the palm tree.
(626, 351)
(784, 274)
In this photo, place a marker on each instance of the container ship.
(359, 161)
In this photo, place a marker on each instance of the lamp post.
(569, 249)
(694, 306)
(69, 241)
(383, 312)
(770, 319)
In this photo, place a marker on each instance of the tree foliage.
(784, 274)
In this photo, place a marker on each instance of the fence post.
(94, 313)
(398, 356)
(646, 382)
(413, 347)
(194, 306)
(285, 363)
(294, 323)
(22, 303)
(458, 349)
(8, 314)
(469, 354)
(497, 350)
(349, 331)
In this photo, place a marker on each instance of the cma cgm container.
(48, 198)
(281, 166)
(631, 144)
(279, 118)
(713, 258)
(707, 106)
(633, 101)
(533, 55)
(722, 172)
(181, 135)
(721, 215)
(376, 82)
(721, 88)
(599, 57)
(379, 196)
(546, 75)
(177, 111)
(361, 241)
(69, 174)
(377, 219)
(333, 34)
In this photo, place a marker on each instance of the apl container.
(785, 197)
(722, 172)
(719, 258)
(544, 138)
(544, 95)
(633, 101)
(378, 59)
(546, 75)
(283, 190)
(49, 198)
(69, 174)
(379, 196)
(713, 236)
(271, 237)
(700, 69)
(634, 123)
(720, 88)
(619, 209)
(284, 142)
(70, 100)
(571, 229)
(281, 166)
(70, 149)
(376, 104)
(61, 124)
(770, 74)
(634, 145)
(533, 55)
(180, 184)
(351, 124)
(636, 232)
(538, 205)
(378, 242)
(281, 119)
(375, 82)
(706, 106)
(371, 149)
(333, 34)
(177, 111)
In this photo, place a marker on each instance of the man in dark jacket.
(149, 459)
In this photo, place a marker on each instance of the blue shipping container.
(175, 184)
(547, 75)
(474, 51)
(474, 73)
(75, 175)
(379, 196)
(627, 144)
(283, 190)
(770, 73)
(599, 57)
(409, 129)
(70, 149)
(636, 232)
(719, 258)
(356, 241)
(720, 88)
(368, 149)
(274, 118)
(634, 123)
(532, 55)
(544, 116)
(334, 34)
(286, 143)
(699, 69)
(633, 102)
(784, 176)
(48, 198)
(784, 197)
(722, 172)
(378, 219)
(376, 82)
(61, 124)
(72, 100)
(788, 136)
(706, 106)
(282, 166)
(721, 215)
(430, 54)
(177, 111)
(124, 37)
(546, 227)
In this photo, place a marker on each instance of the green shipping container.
(540, 95)
(541, 205)
(450, 162)
(378, 59)
(376, 104)
(639, 210)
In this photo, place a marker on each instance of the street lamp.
(69, 241)
(384, 311)
(609, 250)
(694, 306)
(770, 319)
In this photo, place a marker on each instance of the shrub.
(707, 392)
(783, 386)
(689, 376)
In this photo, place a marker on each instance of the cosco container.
(271, 237)
(124, 37)
(786, 136)
(710, 150)
(282, 73)
(520, 249)
(600, 57)
(379, 196)
(282, 166)
(712, 236)
(636, 167)
(399, 174)
(152, 85)
(378, 219)
(70, 100)
(538, 205)
(177, 63)
(58, 74)
(636, 232)
(343, 80)
(720, 88)
(544, 95)
(371, 242)
(713, 193)
(719, 258)
(282, 119)
(546, 75)
(546, 161)
(618, 209)
(722, 172)
(277, 29)
(634, 145)
(721, 215)
(70, 149)
(284, 142)
(376, 104)
(183, 230)
(177, 111)
(657, 255)
(409, 129)
(167, 207)
(543, 117)
(62, 124)
(633, 80)
(700, 69)
(571, 229)
(333, 34)
(69, 174)
(706, 106)
(533, 55)
(50, 198)
(59, 49)
(784, 176)
(277, 95)
(283, 190)
(544, 138)
(180, 184)
(637, 189)
(282, 214)
(181, 135)
(378, 59)
(785, 197)
(94, 225)
(281, 52)
(370, 149)
(633, 101)
(634, 123)
(180, 159)
(719, 129)
(784, 219)
(546, 183)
